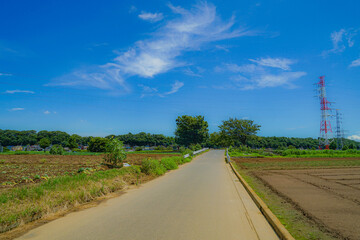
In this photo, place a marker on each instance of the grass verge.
(299, 226)
(25, 204)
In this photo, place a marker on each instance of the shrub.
(161, 148)
(57, 150)
(152, 167)
(187, 151)
(115, 153)
(138, 149)
(169, 148)
(98, 144)
(169, 163)
(179, 160)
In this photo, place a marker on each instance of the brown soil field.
(263, 160)
(16, 170)
(331, 197)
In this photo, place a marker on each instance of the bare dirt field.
(16, 170)
(331, 197)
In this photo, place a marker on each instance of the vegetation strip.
(28, 203)
(272, 219)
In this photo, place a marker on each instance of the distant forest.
(31, 137)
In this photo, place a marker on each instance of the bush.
(152, 167)
(98, 144)
(179, 160)
(169, 163)
(169, 148)
(187, 151)
(57, 150)
(138, 149)
(115, 153)
(161, 148)
(195, 147)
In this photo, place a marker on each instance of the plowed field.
(18, 170)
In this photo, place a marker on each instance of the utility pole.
(325, 125)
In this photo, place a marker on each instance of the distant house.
(67, 149)
(32, 148)
(16, 148)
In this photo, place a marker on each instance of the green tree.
(238, 131)
(44, 143)
(333, 145)
(57, 149)
(191, 130)
(115, 152)
(73, 141)
(98, 144)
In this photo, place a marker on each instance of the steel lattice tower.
(339, 130)
(325, 125)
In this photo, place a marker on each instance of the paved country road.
(201, 200)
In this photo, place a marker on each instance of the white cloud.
(355, 63)
(263, 73)
(151, 17)
(5, 74)
(341, 39)
(282, 63)
(194, 72)
(151, 91)
(190, 30)
(354, 137)
(175, 87)
(18, 91)
(16, 109)
(47, 112)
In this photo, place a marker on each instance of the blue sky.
(112, 67)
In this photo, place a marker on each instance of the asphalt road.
(201, 200)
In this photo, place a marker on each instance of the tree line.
(190, 131)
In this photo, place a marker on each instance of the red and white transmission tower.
(325, 125)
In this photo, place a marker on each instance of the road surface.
(201, 200)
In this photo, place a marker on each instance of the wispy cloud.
(5, 74)
(16, 109)
(47, 112)
(194, 72)
(354, 137)
(151, 17)
(282, 63)
(188, 31)
(148, 91)
(341, 40)
(19, 91)
(175, 87)
(355, 63)
(266, 72)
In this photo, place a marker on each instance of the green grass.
(155, 152)
(300, 227)
(47, 153)
(30, 202)
(27, 203)
(301, 164)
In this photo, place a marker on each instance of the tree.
(238, 131)
(191, 130)
(73, 141)
(98, 144)
(115, 152)
(333, 145)
(44, 143)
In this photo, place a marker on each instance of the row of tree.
(190, 131)
(236, 132)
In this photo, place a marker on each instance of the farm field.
(331, 196)
(18, 170)
(315, 198)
